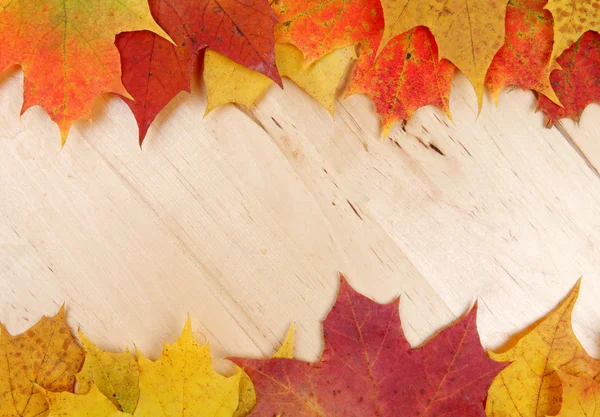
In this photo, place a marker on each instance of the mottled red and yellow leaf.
(404, 77)
(577, 84)
(572, 18)
(524, 60)
(318, 27)
(468, 32)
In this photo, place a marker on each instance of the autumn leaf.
(580, 397)
(247, 393)
(468, 32)
(369, 369)
(93, 404)
(578, 83)
(116, 375)
(228, 82)
(524, 59)
(318, 27)
(571, 20)
(67, 51)
(181, 383)
(46, 355)
(530, 387)
(155, 71)
(404, 77)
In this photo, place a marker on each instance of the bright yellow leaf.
(321, 79)
(530, 387)
(229, 82)
(468, 32)
(581, 397)
(183, 383)
(286, 350)
(116, 375)
(93, 404)
(46, 355)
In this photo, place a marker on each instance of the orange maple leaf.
(404, 77)
(317, 27)
(67, 52)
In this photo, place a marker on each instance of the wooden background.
(243, 219)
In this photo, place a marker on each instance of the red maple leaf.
(578, 83)
(369, 369)
(155, 71)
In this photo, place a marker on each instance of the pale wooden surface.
(242, 219)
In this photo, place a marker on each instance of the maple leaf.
(228, 82)
(404, 77)
(580, 397)
(184, 383)
(468, 32)
(154, 71)
(524, 59)
(571, 20)
(46, 355)
(93, 404)
(530, 387)
(116, 375)
(247, 392)
(578, 83)
(318, 27)
(67, 52)
(369, 369)
(181, 383)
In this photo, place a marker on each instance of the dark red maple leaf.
(577, 84)
(155, 70)
(369, 369)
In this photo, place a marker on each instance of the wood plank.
(243, 219)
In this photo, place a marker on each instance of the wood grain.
(243, 219)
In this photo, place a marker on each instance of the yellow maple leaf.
(46, 355)
(229, 82)
(183, 383)
(530, 386)
(468, 32)
(580, 397)
(116, 375)
(571, 20)
(92, 404)
(247, 392)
